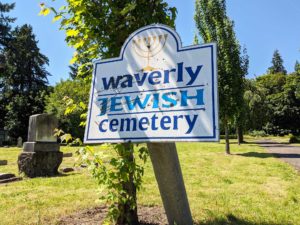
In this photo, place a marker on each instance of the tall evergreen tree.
(215, 26)
(24, 63)
(24, 80)
(5, 37)
(5, 22)
(297, 68)
(277, 64)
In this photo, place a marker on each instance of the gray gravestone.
(3, 162)
(41, 155)
(67, 170)
(4, 176)
(68, 154)
(8, 177)
(19, 142)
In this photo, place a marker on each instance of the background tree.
(24, 80)
(215, 26)
(297, 68)
(256, 106)
(277, 64)
(76, 89)
(98, 29)
(240, 116)
(20, 108)
(5, 23)
(5, 36)
(282, 101)
(73, 71)
(240, 119)
(196, 40)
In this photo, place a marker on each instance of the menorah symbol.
(149, 47)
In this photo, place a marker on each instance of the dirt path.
(285, 152)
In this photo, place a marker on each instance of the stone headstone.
(8, 177)
(19, 142)
(67, 170)
(41, 134)
(41, 128)
(68, 154)
(3, 162)
(4, 176)
(41, 155)
(83, 165)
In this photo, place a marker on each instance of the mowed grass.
(249, 187)
(43, 200)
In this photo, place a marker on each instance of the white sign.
(155, 91)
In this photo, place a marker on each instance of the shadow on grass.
(268, 145)
(60, 174)
(269, 155)
(52, 176)
(243, 142)
(229, 220)
(233, 220)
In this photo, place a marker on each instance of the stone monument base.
(40, 147)
(38, 164)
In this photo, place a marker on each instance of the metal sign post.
(157, 92)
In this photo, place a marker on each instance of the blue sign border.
(188, 48)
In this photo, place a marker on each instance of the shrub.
(258, 133)
(231, 136)
(294, 139)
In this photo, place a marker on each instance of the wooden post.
(170, 182)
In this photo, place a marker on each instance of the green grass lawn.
(249, 187)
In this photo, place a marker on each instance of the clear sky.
(261, 26)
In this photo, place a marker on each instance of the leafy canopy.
(215, 26)
(282, 103)
(98, 28)
(78, 90)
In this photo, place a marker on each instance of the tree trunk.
(240, 135)
(227, 146)
(128, 214)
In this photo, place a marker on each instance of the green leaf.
(56, 18)
(44, 12)
(128, 8)
(82, 124)
(58, 132)
(79, 44)
(83, 106)
(83, 116)
(66, 138)
(74, 58)
(72, 33)
(62, 8)
(53, 10)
